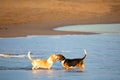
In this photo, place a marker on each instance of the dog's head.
(60, 57)
(53, 58)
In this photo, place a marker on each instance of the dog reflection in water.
(46, 64)
(72, 63)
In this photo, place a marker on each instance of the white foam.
(12, 56)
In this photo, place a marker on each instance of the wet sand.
(39, 17)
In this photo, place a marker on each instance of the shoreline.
(23, 30)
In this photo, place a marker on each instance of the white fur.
(62, 62)
(49, 61)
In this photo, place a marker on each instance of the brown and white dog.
(71, 63)
(38, 63)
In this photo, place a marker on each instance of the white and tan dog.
(38, 63)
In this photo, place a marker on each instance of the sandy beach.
(39, 17)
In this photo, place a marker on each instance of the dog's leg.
(49, 68)
(66, 66)
(82, 66)
(34, 68)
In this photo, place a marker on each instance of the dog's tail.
(85, 54)
(29, 56)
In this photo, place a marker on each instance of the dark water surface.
(102, 62)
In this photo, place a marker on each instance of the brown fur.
(38, 63)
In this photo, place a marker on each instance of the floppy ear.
(60, 57)
(54, 57)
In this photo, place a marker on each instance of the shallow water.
(96, 28)
(102, 62)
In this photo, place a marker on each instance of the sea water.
(102, 62)
(96, 28)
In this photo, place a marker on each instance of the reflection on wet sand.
(42, 71)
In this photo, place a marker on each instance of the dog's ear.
(53, 58)
(60, 57)
(59, 54)
(54, 55)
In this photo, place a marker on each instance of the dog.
(71, 63)
(46, 64)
